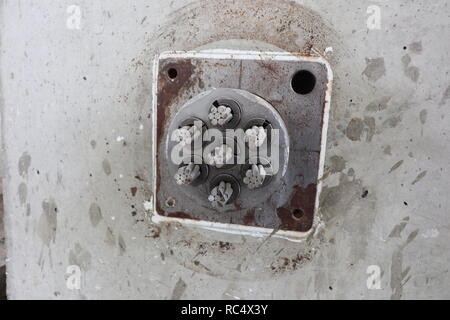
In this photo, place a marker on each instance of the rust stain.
(237, 205)
(179, 214)
(154, 232)
(223, 245)
(159, 210)
(199, 264)
(133, 191)
(249, 217)
(301, 199)
(168, 91)
(280, 23)
(289, 264)
(270, 68)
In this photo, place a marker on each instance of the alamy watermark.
(220, 148)
(73, 279)
(73, 21)
(374, 280)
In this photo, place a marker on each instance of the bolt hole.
(170, 202)
(297, 213)
(303, 82)
(172, 73)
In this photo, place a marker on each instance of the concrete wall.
(68, 94)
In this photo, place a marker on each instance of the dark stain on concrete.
(411, 72)
(419, 177)
(122, 245)
(106, 167)
(24, 164)
(423, 116)
(406, 60)
(396, 166)
(80, 257)
(59, 178)
(445, 96)
(399, 276)
(95, 214)
(48, 222)
(392, 122)
(416, 47)
(337, 164)
(375, 69)
(396, 232)
(369, 123)
(22, 192)
(110, 239)
(336, 208)
(379, 104)
(178, 290)
(354, 129)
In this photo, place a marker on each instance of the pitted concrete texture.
(77, 127)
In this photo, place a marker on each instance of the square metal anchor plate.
(290, 205)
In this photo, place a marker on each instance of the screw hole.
(172, 73)
(303, 82)
(170, 202)
(297, 213)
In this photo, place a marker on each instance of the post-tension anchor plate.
(263, 172)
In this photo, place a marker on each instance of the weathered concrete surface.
(77, 133)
